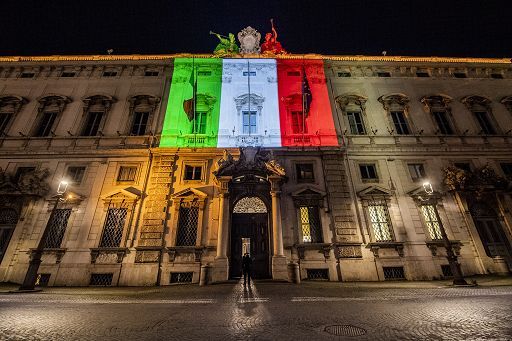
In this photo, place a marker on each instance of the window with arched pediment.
(397, 108)
(482, 112)
(142, 109)
(95, 110)
(507, 102)
(440, 112)
(9, 106)
(250, 205)
(49, 111)
(353, 108)
(249, 108)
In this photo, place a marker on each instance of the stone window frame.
(476, 103)
(141, 103)
(136, 181)
(303, 161)
(96, 103)
(440, 103)
(309, 196)
(397, 102)
(375, 164)
(49, 103)
(421, 199)
(242, 105)
(366, 197)
(195, 163)
(416, 162)
(16, 103)
(187, 195)
(84, 176)
(353, 103)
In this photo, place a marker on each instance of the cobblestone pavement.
(263, 311)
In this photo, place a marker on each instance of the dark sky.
(413, 27)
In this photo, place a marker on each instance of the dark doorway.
(8, 220)
(249, 232)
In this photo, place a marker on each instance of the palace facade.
(315, 165)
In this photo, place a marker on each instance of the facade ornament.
(473, 101)
(29, 183)
(252, 159)
(436, 101)
(53, 101)
(272, 46)
(226, 47)
(15, 102)
(345, 100)
(477, 182)
(249, 40)
(388, 100)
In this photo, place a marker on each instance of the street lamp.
(458, 279)
(29, 282)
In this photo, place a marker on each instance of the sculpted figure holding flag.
(271, 45)
(227, 45)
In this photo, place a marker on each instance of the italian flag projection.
(248, 102)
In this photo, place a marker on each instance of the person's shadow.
(248, 307)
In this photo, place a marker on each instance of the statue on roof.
(272, 45)
(227, 45)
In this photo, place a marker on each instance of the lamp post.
(458, 279)
(29, 282)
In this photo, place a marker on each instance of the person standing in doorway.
(246, 268)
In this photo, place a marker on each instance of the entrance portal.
(249, 233)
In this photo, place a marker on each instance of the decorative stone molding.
(255, 101)
(394, 99)
(324, 248)
(433, 245)
(250, 205)
(473, 101)
(119, 252)
(98, 102)
(121, 198)
(344, 250)
(29, 183)
(376, 246)
(252, 160)
(309, 196)
(52, 102)
(507, 102)
(13, 102)
(148, 254)
(249, 40)
(478, 181)
(344, 101)
(174, 251)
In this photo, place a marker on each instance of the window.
(305, 172)
(67, 74)
(344, 74)
(355, 122)
(293, 73)
(127, 173)
(379, 218)
(422, 74)
(298, 123)
(442, 122)
(368, 172)
(433, 224)
(484, 122)
(507, 169)
(199, 123)
(21, 171)
(497, 75)
(417, 171)
(186, 234)
(383, 74)
(204, 73)
(9, 107)
(310, 224)
(151, 73)
(46, 123)
(140, 122)
(114, 226)
(460, 75)
(75, 174)
(92, 123)
(249, 122)
(57, 228)
(27, 75)
(109, 73)
(399, 122)
(193, 172)
(249, 74)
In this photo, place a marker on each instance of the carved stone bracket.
(433, 245)
(323, 248)
(120, 253)
(176, 250)
(148, 254)
(375, 247)
(57, 252)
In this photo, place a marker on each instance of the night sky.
(468, 28)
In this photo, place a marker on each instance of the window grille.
(400, 122)
(305, 172)
(114, 226)
(249, 122)
(4, 120)
(140, 122)
(483, 120)
(193, 172)
(75, 174)
(42, 280)
(187, 223)
(417, 171)
(46, 123)
(127, 173)
(433, 224)
(181, 277)
(393, 272)
(317, 274)
(93, 123)
(299, 123)
(443, 123)
(446, 270)
(355, 121)
(310, 224)
(199, 123)
(104, 279)
(57, 228)
(379, 217)
(368, 172)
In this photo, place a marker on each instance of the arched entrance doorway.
(8, 220)
(249, 233)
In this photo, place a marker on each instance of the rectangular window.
(46, 123)
(92, 123)
(57, 228)
(383, 74)
(140, 122)
(417, 171)
(199, 123)
(310, 224)
(249, 74)
(27, 75)
(305, 172)
(393, 272)
(483, 120)
(400, 123)
(379, 217)
(67, 74)
(249, 122)
(422, 74)
(368, 172)
(497, 75)
(344, 74)
(443, 123)
(4, 120)
(507, 169)
(193, 172)
(204, 73)
(109, 73)
(127, 173)
(114, 226)
(460, 75)
(151, 73)
(355, 121)
(75, 174)
(433, 224)
(187, 224)
(298, 123)
(294, 73)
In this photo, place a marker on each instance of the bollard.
(296, 273)
(203, 277)
(501, 266)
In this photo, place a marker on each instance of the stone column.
(221, 263)
(279, 266)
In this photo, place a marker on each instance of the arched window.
(481, 109)
(48, 113)
(9, 107)
(396, 105)
(353, 108)
(96, 109)
(142, 108)
(440, 112)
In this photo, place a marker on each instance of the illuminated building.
(330, 180)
